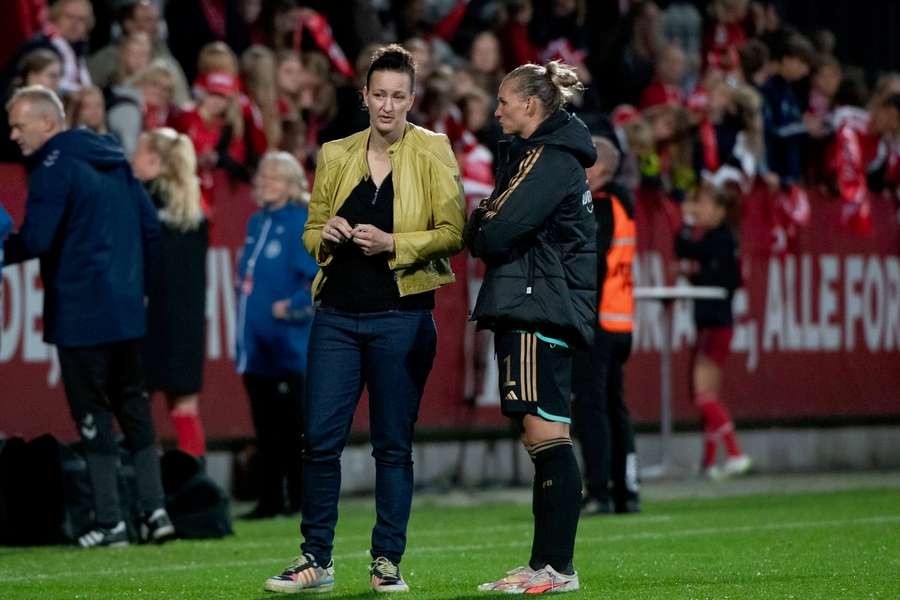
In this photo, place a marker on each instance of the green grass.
(805, 546)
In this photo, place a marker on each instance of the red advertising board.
(818, 331)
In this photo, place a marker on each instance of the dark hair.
(852, 89)
(753, 56)
(553, 84)
(892, 101)
(727, 196)
(128, 9)
(793, 44)
(34, 62)
(396, 58)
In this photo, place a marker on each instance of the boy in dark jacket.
(95, 231)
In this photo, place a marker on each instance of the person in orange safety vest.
(601, 419)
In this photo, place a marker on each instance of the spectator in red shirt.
(725, 35)
(157, 85)
(825, 81)
(216, 128)
(518, 47)
(666, 87)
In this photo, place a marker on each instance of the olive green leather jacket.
(429, 205)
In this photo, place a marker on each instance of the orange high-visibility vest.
(616, 312)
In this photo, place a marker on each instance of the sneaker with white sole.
(386, 576)
(548, 581)
(511, 581)
(302, 575)
(737, 466)
(116, 535)
(157, 528)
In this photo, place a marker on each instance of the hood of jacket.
(567, 132)
(100, 151)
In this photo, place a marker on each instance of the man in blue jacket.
(95, 231)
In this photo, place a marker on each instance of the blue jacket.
(274, 266)
(6, 224)
(95, 231)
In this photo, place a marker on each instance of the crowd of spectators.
(719, 89)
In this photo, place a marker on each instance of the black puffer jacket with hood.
(537, 236)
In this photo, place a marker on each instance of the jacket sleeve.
(515, 215)
(319, 212)
(48, 191)
(447, 213)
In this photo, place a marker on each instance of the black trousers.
(103, 382)
(600, 418)
(276, 405)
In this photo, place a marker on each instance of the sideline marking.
(647, 535)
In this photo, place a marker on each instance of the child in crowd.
(715, 253)
(785, 125)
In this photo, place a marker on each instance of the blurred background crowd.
(719, 88)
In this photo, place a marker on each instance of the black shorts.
(535, 376)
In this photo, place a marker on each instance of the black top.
(176, 342)
(717, 257)
(359, 283)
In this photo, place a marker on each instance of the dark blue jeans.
(391, 354)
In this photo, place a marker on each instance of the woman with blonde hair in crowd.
(165, 161)
(258, 72)
(157, 84)
(274, 313)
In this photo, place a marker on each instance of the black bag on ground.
(196, 504)
(45, 492)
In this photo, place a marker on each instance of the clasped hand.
(369, 238)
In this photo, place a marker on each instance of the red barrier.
(818, 332)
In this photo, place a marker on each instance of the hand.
(372, 240)
(208, 160)
(688, 212)
(280, 308)
(337, 230)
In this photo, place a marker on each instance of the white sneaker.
(712, 472)
(737, 466)
(548, 581)
(511, 581)
(302, 575)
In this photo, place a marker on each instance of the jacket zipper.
(529, 285)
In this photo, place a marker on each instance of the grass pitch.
(804, 545)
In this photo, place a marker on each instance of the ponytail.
(553, 85)
(177, 181)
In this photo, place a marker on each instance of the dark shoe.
(630, 506)
(258, 513)
(595, 506)
(117, 535)
(157, 528)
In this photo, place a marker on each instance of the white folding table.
(666, 295)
